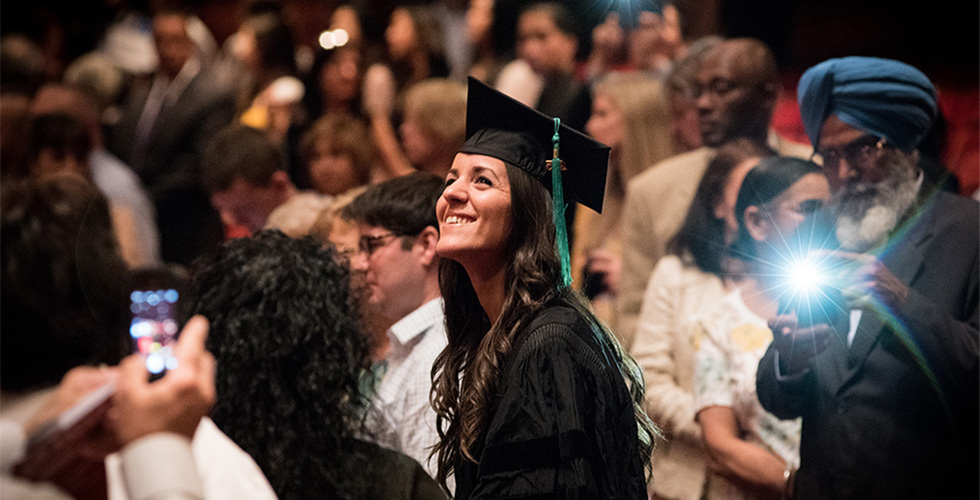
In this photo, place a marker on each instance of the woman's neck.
(757, 293)
(488, 283)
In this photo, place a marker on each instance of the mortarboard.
(501, 127)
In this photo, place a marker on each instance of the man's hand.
(797, 346)
(175, 403)
(77, 383)
(865, 280)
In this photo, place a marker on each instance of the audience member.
(889, 392)
(334, 81)
(156, 422)
(60, 144)
(642, 36)
(290, 356)
(114, 178)
(339, 154)
(264, 47)
(486, 61)
(754, 453)
(161, 134)
(629, 114)
(683, 283)
(396, 254)
(243, 170)
(63, 288)
(737, 87)
(680, 82)
(452, 16)
(547, 41)
(151, 423)
(331, 227)
(414, 54)
(434, 125)
(95, 76)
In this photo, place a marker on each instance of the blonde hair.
(296, 216)
(647, 140)
(321, 228)
(438, 105)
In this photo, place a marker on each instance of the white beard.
(868, 212)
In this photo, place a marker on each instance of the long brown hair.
(465, 374)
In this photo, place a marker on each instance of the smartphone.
(812, 284)
(155, 326)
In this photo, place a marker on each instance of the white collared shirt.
(403, 395)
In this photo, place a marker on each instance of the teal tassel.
(558, 196)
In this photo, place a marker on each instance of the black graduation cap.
(501, 127)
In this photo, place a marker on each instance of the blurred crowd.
(266, 162)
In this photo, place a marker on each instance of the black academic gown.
(562, 425)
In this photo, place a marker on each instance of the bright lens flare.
(805, 276)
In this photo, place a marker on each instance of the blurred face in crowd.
(174, 46)
(479, 20)
(48, 161)
(543, 46)
(249, 205)
(246, 48)
(331, 171)
(774, 223)
(420, 145)
(606, 123)
(873, 183)
(400, 35)
(391, 268)
(732, 102)
(340, 79)
(474, 211)
(725, 209)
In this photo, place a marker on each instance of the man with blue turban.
(890, 405)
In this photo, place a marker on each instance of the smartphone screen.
(155, 326)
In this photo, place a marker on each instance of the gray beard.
(868, 212)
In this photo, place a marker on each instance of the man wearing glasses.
(890, 405)
(399, 269)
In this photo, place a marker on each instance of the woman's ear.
(757, 223)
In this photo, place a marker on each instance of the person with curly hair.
(290, 357)
(534, 396)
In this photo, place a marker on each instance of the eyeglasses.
(718, 87)
(859, 153)
(370, 244)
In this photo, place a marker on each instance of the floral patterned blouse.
(730, 340)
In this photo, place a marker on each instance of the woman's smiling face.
(474, 211)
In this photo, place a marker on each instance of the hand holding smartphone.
(154, 327)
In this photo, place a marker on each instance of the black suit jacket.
(896, 414)
(169, 164)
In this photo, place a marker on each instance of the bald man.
(890, 404)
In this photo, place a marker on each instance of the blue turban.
(886, 98)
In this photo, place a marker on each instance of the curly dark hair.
(63, 281)
(465, 374)
(290, 357)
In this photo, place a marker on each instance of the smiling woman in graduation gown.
(535, 399)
